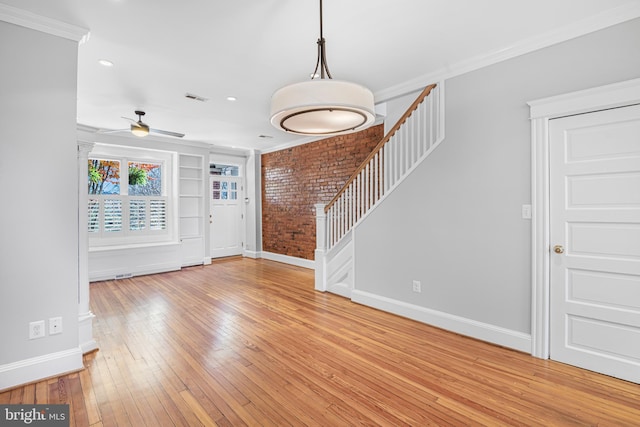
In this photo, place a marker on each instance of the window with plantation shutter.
(127, 202)
(157, 214)
(112, 215)
(137, 214)
(94, 215)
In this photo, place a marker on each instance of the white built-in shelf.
(191, 174)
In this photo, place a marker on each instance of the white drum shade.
(322, 107)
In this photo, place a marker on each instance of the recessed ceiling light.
(231, 98)
(105, 62)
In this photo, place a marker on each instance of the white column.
(321, 247)
(85, 316)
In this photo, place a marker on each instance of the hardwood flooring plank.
(29, 393)
(196, 409)
(41, 393)
(88, 391)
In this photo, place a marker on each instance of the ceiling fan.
(141, 129)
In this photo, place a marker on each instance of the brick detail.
(295, 179)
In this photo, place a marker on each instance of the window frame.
(103, 239)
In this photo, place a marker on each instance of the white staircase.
(418, 132)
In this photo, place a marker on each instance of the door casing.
(541, 111)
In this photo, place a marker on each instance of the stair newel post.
(321, 247)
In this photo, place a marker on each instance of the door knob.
(558, 249)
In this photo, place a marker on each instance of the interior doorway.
(583, 284)
(225, 210)
(594, 162)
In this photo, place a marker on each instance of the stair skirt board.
(460, 325)
(339, 268)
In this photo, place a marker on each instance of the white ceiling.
(163, 49)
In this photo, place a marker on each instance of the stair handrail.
(427, 90)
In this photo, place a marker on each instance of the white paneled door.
(594, 164)
(225, 216)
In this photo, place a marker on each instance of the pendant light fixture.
(322, 106)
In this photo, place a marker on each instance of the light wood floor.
(249, 342)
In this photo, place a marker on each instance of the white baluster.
(365, 178)
(396, 159)
(403, 147)
(350, 210)
(360, 198)
(432, 121)
(426, 126)
(341, 217)
(405, 150)
(412, 140)
(381, 168)
(344, 215)
(334, 222)
(370, 174)
(354, 201)
(376, 172)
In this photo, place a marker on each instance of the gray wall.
(38, 177)
(455, 224)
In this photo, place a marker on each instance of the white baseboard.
(300, 262)
(131, 272)
(85, 329)
(41, 367)
(252, 254)
(89, 346)
(342, 289)
(471, 328)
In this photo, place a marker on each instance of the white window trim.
(127, 238)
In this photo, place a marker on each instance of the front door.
(594, 164)
(225, 216)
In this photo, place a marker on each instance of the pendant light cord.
(322, 59)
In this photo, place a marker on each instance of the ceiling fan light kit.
(141, 129)
(322, 106)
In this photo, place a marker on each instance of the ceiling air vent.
(195, 97)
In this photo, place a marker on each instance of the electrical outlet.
(55, 325)
(36, 329)
(417, 286)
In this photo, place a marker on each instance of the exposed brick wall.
(295, 179)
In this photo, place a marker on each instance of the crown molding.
(591, 24)
(27, 19)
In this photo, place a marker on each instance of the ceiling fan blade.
(113, 130)
(166, 132)
(131, 120)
